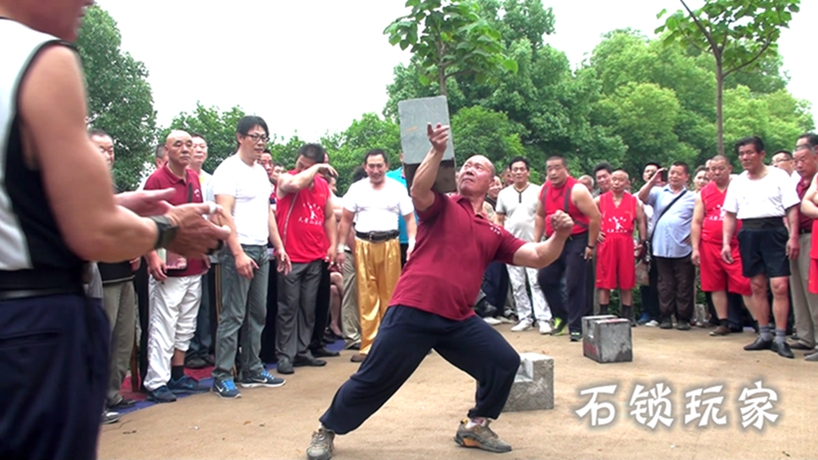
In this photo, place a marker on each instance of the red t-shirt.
(617, 220)
(305, 239)
(713, 224)
(187, 190)
(454, 248)
(559, 198)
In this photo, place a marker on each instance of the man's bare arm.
(288, 183)
(808, 207)
(539, 223)
(585, 202)
(539, 255)
(696, 225)
(227, 202)
(421, 192)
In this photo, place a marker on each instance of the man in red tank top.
(559, 194)
(620, 214)
(717, 276)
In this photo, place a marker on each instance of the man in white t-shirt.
(240, 185)
(516, 211)
(761, 197)
(375, 204)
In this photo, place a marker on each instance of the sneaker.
(184, 385)
(161, 395)
(109, 417)
(505, 320)
(321, 446)
(652, 323)
(124, 403)
(523, 325)
(545, 327)
(576, 336)
(481, 437)
(492, 321)
(666, 324)
(559, 327)
(644, 319)
(263, 379)
(720, 331)
(683, 326)
(226, 389)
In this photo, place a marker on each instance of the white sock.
(473, 422)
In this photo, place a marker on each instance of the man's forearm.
(331, 229)
(426, 174)
(593, 231)
(695, 235)
(549, 250)
(275, 237)
(411, 226)
(298, 181)
(644, 192)
(792, 217)
(539, 223)
(728, 228)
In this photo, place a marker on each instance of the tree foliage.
(218, 129)
(119, 97)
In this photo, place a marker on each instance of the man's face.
(508, 178)
(475, 176)
(254, 141)
(782, 161)
(649, 171)
(61, 18)
(677, 177)
(603, 180)
(302, 163)
(587, 182)
(376, 167)
(520, 173)
(707, 165)
(495, 187)
(106, 146)
(751, 160)
(199, 151)
(266, 161)
(805, 160)
(333, 184)
(619, 181)
(179, 146)
(556, 171)
(720, 172)
(277, 170)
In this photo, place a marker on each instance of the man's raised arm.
(422, 195)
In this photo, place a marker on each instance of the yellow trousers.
(377, 269)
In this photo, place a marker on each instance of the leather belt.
(17, 294)
(378, 236)
(804, 231)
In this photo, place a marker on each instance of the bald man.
(175, 288)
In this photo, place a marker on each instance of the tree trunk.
(441, 77)
(720, 106)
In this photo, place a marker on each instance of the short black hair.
(755, 140)
(247, 122)
(374, 153)
(519, 159)
(557, 157)
(604, 166)
(192, 135)
(699, 169)
(652, 163)
(812, 138)
(314, 152)
(359, 173)
(266, 151)
(97, 132)
(683, 165)
(785, 152)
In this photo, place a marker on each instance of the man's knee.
(758, 284)
(780, 286)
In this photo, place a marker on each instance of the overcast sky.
(312, 66)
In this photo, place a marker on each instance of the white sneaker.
(523, 325)
(652, 323)
(492, 320)
(505, 320)
(545, 327)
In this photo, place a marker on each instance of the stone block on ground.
(533, 387)
(587, 320)
(608, 340)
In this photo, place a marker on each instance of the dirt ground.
(420, 420)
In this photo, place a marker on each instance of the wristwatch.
(166, 231)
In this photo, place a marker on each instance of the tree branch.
(758, 55)
(693, 42)
(458, 73)
(704, 30)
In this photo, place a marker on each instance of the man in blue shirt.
(673, 207)
(398, 175)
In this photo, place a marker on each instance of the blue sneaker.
(264, 379)
(184, 385)
(226, 389)
(161, 395)
(644, 319)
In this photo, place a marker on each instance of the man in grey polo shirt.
(670, 243)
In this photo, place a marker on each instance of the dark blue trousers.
(53, 376)
(572, 264)
(404, 338)
(495, 285)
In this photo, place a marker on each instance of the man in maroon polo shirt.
(432, 310)
(175, 283)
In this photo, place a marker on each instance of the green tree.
(735, 32)
(485, 132)
(119, 96)
(453, 40)
(218, 129)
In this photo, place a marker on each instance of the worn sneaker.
(652, 323)
(492, 321)
(545, 327)
(184, 385)
(321, 446)
(720, 331)
(263, 379)
(109, 417)
(481, 437)
(576, 336)
(523, 325)
(226, 389)
(559, 327)
(161, 395)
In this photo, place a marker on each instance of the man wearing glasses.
(241, 186)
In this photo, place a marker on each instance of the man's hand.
(727, 254)
(135, 264)
(696, 258)
(330, 257)
(146, 203)
(157, 268)
(340, 258)
(196, 236)
(656, 180)
(325, 168)
(245, 266)
(562, 224)
(793, 248)
(438, 136)
(601, 237)
(285, 266)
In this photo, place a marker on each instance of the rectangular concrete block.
(587, 320)
(415, 115)
(608, 341)
(533, 387)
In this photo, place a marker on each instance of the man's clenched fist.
(562, 224)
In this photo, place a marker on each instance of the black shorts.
(764, 251)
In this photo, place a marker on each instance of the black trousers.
(321, 309)
(572, 264)
(53, 376)
(268, 335)
(143, 305)
(495, 285)
(404, 338)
